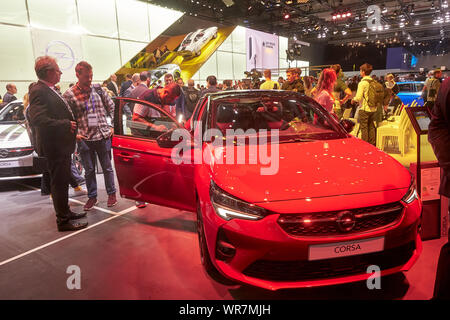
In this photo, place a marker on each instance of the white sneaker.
(79, 191)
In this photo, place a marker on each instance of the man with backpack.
(431, 88)
(370, 96)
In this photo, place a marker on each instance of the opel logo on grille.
(345, 221)
(3, 153)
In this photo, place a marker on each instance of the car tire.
(204, 253)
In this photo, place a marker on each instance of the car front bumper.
(266, 256)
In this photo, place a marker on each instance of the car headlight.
(411, 195)
(229, 207)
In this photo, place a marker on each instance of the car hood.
(310, 170)
(13, 136)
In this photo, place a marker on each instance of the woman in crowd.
(308, 86)
(325, 87)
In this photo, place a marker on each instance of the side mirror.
(348, 125)
(165, 140)
(169, 139)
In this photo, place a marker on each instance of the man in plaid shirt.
(90, 105)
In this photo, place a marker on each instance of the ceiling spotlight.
(286, 16)
(344, 32)
(364, 30)
(383, 9)
(338, 16)
(417, 22)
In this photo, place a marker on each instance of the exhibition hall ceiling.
(356, 22)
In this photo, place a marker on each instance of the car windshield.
(12, 113)
(405, 87)
(198, 36)
(297, 118)
(158, 74)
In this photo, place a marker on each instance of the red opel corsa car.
(327, 206)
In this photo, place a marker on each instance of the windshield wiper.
(290, 140)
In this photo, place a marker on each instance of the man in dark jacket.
(126, 84)
(55, 130)
(9, 96)
(439, 137)
(293, 82)
(211, 85)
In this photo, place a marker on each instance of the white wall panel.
(98, 17)
(13, 12)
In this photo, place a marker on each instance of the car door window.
(13, 113)
(419, 87)
(148, 120)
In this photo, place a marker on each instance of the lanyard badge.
(91, 116)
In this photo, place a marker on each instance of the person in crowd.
(308, 86)
(366, 111)
(269, 84)
(90, 105)
(112, 85)
(211, 85)
(55, 129)
(439, 138)
(127, 108)
(159, 96)
(227, 85)
(391, 84)
(105, 88)
(198, 87)
(293, 83)
(9, 96)
(281, 81)
(325, 91)
(168, 79)
(353, 86)
(165, 49)
(141, 87)
(202, 87)
(192, 96)
(392, 103)
(135, 81)
(126, 84)
(157, 53)
(341, 92)
(431, 88)
(180, 103)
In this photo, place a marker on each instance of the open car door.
(145, 170)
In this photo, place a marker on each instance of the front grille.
(12, 153)
(18, 171)
(327, 223)
(330, 268)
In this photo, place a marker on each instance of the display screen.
(422, 119)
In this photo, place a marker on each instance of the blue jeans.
(102, 148)
(75, 175)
